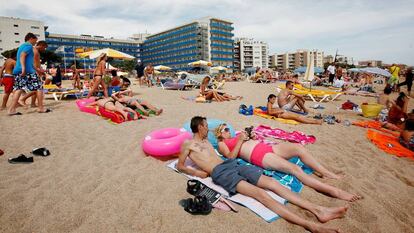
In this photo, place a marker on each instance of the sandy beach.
(98, 179)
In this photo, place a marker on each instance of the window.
(34, 27)
(16, 33)
(15, 25)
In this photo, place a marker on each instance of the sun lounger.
(59, 93)
(314, 94)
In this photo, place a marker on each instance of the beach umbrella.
(376, 70)
(109, 52)
(302, 69)
(200, 63)
(218, 68)
(310, 70)
(162, 68)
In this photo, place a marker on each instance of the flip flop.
(21, 159)
(40, 152)
(15, 114)
(197, 206)
(194, 186)
(47, 111)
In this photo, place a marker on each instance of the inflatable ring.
(212, 125)
(165, 142)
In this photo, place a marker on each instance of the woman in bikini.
(214, 95)
(98, 75)
(125, 97)
(276, 158)
(397, 115)
(76, 77)
(407, 135)
(113, 105)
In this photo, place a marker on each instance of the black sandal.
(41, 152)
(194, 186)
(197, 206)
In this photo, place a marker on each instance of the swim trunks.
(288, 106)
(229, 174)
(8, 81)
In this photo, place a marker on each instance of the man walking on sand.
(26, 78)
(7, 79)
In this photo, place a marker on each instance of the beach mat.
(389, 144)
(375, 125)
(259, 112)
(291, 182)
(252, 204)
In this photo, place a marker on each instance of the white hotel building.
(249, 53)
(13, 31)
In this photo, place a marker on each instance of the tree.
(50, 57)
(125, 65)
(9, 53)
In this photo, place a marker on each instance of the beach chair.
(313, 94)
(218, 85)
(60, 93)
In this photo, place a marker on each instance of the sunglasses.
(225, 130)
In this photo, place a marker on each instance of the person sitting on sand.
(125, 97)
(276, 158)
(213, 94)
(407, 135)
(281, 113)
(287, 99)
(384, 98)
(112, 105)
(397, 115)
(249, 180)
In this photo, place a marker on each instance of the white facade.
(13, 31)
(250, 53)
(290, 61)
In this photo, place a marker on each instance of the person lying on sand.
(112, 105)
(275, 157)
(213, 94)
(407, 135)
(281, 113)
(288, 99)
(125, 97)
(249, 180)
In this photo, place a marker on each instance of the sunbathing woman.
(397, 114)
(275, 158)
(407, 135)
(98, 76)
(112, 105)
(126, 98)
(281, 113)
(214, 95)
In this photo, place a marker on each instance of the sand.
(99, 180)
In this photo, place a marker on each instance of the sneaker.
(21, 159)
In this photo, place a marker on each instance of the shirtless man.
(249, 181)
(149, 74)
(7, 79)
(281, 113)
(40, 47)
(125, 97)
(287, 99)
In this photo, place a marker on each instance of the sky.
(361, 29)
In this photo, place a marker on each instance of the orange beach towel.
(389, 144)
(375, 125)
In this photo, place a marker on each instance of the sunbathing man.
(275, 158)
(112, 105)
(248, 180)
(125, 97)
(213, 94)
(287, 99)
(281, 113)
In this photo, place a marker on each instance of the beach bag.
(348, 105)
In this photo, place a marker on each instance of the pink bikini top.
(231, 143)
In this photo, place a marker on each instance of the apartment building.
(250, 53)
(291, 61)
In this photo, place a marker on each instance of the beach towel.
(375, 125)
(389, 144)
(195, 99)
(255, 206)
(261, 113)
(262, 132)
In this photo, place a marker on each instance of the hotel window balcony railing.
(222, 58)
(222, 46)
(172, 51)
(147, 50)
(219, 25)
(221, 52)
(222, 32)
(191, 35)
(175, 32)
(221, 39)
(170, 57)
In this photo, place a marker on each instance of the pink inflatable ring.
(165, 142)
